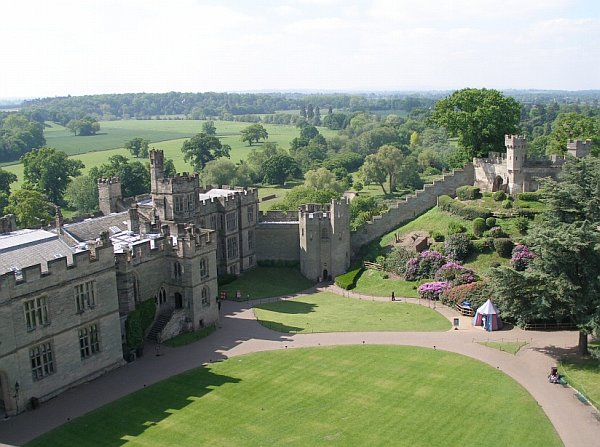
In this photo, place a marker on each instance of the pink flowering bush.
(455, 274)
(424, 265)
(476, 292)
(432, 290)
(521, 257)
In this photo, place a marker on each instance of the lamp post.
(16, 396)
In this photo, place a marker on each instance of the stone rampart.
(277, 241)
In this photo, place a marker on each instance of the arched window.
(203, 268)
(205, 297)
(161, 297)
(177, 270)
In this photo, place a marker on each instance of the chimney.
(134, 220)
(59, 221)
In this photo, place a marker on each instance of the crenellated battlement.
(179, 179)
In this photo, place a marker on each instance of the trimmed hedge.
(529, 196)
(348, 280)
(467, 192)
(490, 222)
(499, 196)
(479, 226)
(133, 330)
(447, 203)
(503, 247)
(147, 310)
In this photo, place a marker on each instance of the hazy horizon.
(75, 48)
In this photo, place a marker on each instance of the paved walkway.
(239, 333)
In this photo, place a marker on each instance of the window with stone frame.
(177, 270)
(250, 213)
(89, 342)
(213, 221)
(178, 203)
(231, 221)
(36, 312)
(42, 361)
(85, 296)
(250, 240)
(205, 297)
(232, 247)
(190, 202)
(203, 268)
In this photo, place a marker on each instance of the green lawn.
(343, 396)
(583, 375)
(371, 282)
(189, 337)
(508, 346)
(266, 282)
(328, 312)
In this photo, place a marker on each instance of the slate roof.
(23, 248)
(90, 229)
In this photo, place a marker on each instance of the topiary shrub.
(467, 192)
(507, 204)
(348, 280)
(496, 232)
(396, 260)
(529, 196)
(499, 196)
(490, 222)
(457, 246)
(455, 227)
(503, 247)
(436, 235)
(448, 204)
(522, 224)
(479, 226)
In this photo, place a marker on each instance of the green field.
(372, 282)
(266, 282)
(327, 312)
(342, 396)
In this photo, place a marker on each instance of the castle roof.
(217, 192)
(90, 229)
(23, 248)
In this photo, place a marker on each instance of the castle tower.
(579, 148)
(324, 239)
(516, 149)
(157, 169)
(109, 194)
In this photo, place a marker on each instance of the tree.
(372, 172)
(390, 159)
(322, 179)
(202, 148)
(254, 132)
(138, 147)
(208, 127)
(479, 117)
(82, 194)
(278, 168)
(562, 282)
(50, 171)
(85, 127)
(134, 176)
(317, 119)
(572, 126)
(6, 178)
(18, 135)
(169, 168)
(31, 208)
(219, 172)
(257, 157)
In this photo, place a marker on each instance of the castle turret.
(157, 168)
(579, 148)
(109, 195)
(516, 148)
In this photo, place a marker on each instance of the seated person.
(554, 377)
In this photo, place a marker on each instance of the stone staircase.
(159, 324)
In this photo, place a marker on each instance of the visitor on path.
(393, 296)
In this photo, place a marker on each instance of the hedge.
(467, 192)
(147, 310)
(348, 280)
(447, 203)
(133, 330)
(503, 247)
(529, 196)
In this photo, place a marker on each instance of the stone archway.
(497, 185)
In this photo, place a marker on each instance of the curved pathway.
(239, 333)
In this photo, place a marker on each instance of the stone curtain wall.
(278, 241)
(412, 206)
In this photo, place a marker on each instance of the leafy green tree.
(390, 159)
(300, 195)
(372, 172)
(31, 208)
(219, 172)
(50, 171)
(278, 168)
(169, 168)
(134, 176)
(84, 127)
(138, 147)
(258, 156)
(202, 148)
(572, 126)
(479, 117)
(6, 178)
(82, 194)
(254, 132)
(208, 127)
(322, 178)
(18, 135)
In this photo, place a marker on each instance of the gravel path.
(239, 333)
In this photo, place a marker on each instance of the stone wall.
(277, 241)
(412, 206)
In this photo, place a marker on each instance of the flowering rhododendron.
(521, 257)
(432, 290)
(455, 274)
(424, 265)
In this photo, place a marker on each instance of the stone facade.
(514, 172)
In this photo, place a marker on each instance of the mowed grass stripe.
(327, 312)
(347, 396)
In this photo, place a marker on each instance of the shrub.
(529, 196)
(348, 280)
(424, 265)
(521, 257)
(396, 260)
(437, 246)
(432, 290)
(147, 310)
(522, 224)
(133, 330)
(507, 204)
(499, 196)
(490, 222)
(479, 226)
(436, 235)
(524, 205)
(448, 204)
(455, 274)
(457, 246)
(496, 232)
(467, 192)
(486, 194)
(455, 227)
(476, 293)
(529, 214)
(481, 245)
(503, 247)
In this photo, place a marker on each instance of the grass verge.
(266, 282)
(189, 337)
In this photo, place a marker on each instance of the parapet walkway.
(239, 333)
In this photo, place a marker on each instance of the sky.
(75, 47)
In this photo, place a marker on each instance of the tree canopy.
(202, 148)
(6, 178)
(138, 147)
(31, 208)
(208, 127)
(572, 126)
(19, 135)
(479, 118)
(50, 171)
(84, 127)
(254, 132)
(134, 176)
(279, 168)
